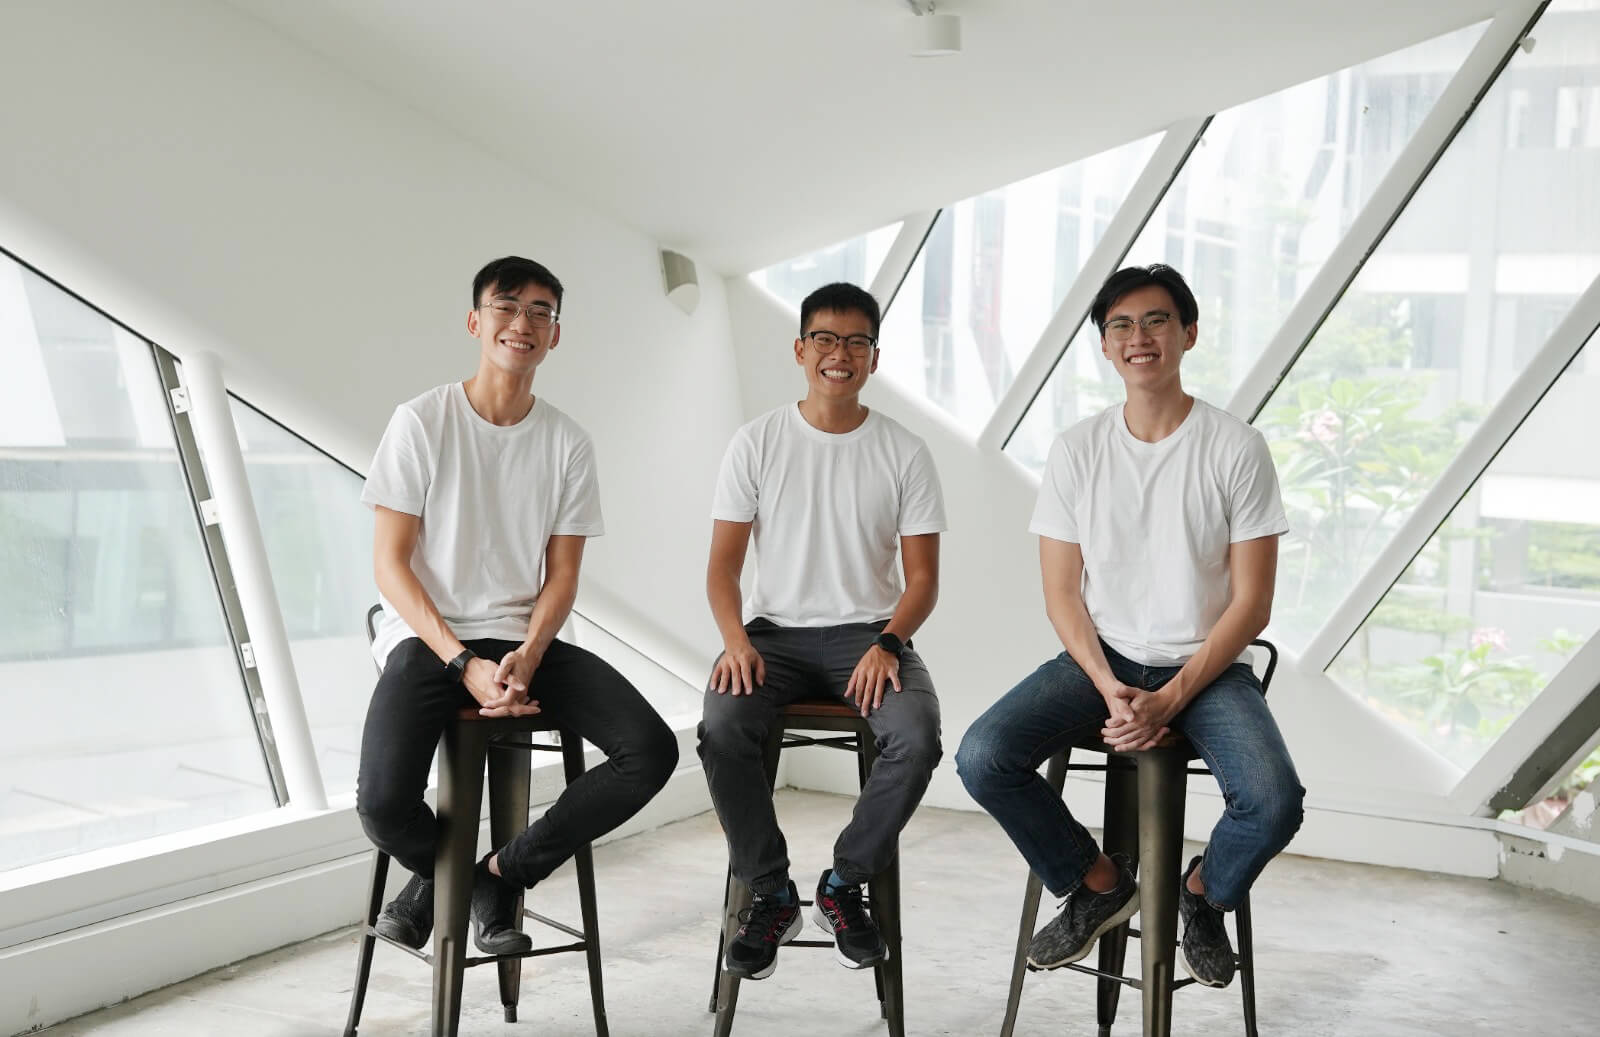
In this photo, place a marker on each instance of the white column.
(247, 557)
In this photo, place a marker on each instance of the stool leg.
(364, 946)
(722, 944)
(1247, 964)
(891, 979)
(737, 898)
(1056, 775)
(583, 863)
(866, 756)
(1121, 836)
(461, 757)
(1161, 780)
(509, 770)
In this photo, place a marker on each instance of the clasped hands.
(502, 688)
(1138, 719)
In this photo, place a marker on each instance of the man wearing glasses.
(1158, 524)
(484, 496)
(831, 493)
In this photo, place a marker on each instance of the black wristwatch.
(458, 665)
(889, 643)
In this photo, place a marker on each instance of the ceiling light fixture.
(933, 35)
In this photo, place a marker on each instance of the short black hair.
(841, 297)
(512, 274)
(1133, 278)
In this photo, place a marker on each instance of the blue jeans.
(1057, 706)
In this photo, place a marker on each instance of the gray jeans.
(815, 663)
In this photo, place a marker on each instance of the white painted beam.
(1124, 228)
(914, 230)
(1411, 167)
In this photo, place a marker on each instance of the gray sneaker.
(1207, 954)
(1084, 918)
(408, 918)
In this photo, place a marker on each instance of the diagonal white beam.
(1471, 81)
(1124, 228)
(1497, 427)
(914, 231)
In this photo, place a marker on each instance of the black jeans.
(417, 695)
(816, 663)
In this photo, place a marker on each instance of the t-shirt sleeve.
(921, 496)
(738, 492)
(1255, 504)
(1053, 512)
(401, 469)
(579, 511)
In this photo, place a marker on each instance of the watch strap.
(889, 643)
(458, 665)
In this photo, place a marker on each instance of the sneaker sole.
(783, 938)
(402, 935)
(1187, 967)
(821, 920)
(508, 942)
(1124, 913)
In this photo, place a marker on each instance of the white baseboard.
(48, 980)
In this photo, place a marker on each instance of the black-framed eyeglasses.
(826, 342)
(1121, 329)
(539, 315)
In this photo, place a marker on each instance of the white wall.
(989, 631)
(217, 187)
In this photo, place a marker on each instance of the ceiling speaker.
(678, 277)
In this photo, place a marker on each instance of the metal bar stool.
(884, 899)
(464, 753)
(1144, 809)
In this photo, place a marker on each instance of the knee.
(981, 761)
(1277, 807)
(650, 755)
(382, 812)
(918, 748)
(721, 733)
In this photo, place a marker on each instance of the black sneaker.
(1084, 918)
(765, 925)
(1207, 954)
(494, 914)
(408, 918)
(839, 911)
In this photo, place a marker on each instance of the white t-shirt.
(490, 498)
(1154, 521)
(828, 511)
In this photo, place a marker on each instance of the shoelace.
(846, 911)
(762, 915)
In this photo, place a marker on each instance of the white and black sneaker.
(1207, 952)
(767, 924)
(1084, 918)
(839, 911)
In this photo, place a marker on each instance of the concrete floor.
(1342, 949)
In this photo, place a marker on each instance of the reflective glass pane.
(1484, 261)
(1503, 595)
(126, 716)
(1252, 216)
(856, 261)
(319, 546)
(990, 276)
(1569, 809)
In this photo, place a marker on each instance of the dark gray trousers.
(816, 663)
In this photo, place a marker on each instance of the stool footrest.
(553, 924)
(537, 952)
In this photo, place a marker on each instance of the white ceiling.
(745, 131)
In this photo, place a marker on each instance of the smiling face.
(841, 374)
(512, 342)
(1147, 359)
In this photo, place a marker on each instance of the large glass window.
(1492, 251)
(318, 536)
(125, 712)
(1502, 595)
(990, 276)
(1249, 221)
(856, 261)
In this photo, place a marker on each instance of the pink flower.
(1492, 636)
(1323, 426)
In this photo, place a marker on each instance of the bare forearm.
(550, 611)
(722, 591)
(913, 608)
(1072, 624)
(1241, 622)
(402, 589)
